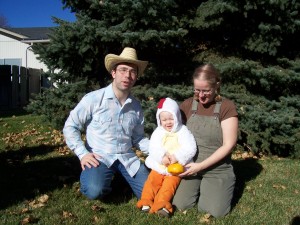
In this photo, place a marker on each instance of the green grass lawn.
(39, 184)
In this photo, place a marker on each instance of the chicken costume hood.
(171, 106)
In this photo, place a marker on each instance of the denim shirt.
(111, 129)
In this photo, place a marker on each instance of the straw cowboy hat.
(128, 55)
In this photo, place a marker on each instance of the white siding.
(14, 49)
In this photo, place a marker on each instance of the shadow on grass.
(295, 220)
(13, 112)
(23, 179)
(245, 170)
(121, 191)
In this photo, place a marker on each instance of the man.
(114, 123)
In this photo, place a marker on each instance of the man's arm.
(74, 125)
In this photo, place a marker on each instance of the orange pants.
(158, 192)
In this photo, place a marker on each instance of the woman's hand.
(191, 169)
(90, 160)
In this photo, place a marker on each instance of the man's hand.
(90, 160)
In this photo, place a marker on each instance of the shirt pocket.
(129, 122)
(102, 124)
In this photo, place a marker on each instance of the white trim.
(12, 33)
(35, 41)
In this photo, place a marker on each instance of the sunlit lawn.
(39, 184)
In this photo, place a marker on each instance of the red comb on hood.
(160, 103)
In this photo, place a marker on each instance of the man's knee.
(94, 192)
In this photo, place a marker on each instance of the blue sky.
(33, 13)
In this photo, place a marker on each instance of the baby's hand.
(172, 159)
(165, 160)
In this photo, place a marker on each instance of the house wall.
(14, 49)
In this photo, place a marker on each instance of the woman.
(213, 120)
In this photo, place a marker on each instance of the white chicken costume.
(160, 186)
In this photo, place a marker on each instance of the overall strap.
(217, 110)
(194, 107)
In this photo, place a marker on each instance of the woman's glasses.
(205, 92)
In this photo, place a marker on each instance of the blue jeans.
(96, 181)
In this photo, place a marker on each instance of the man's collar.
(109, 94)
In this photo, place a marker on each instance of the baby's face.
(166, 120)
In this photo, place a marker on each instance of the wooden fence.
(17, 85)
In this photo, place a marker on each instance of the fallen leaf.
(43, 199)
(96, 219)
(279, 186)
(25, 210)
(26, 220)
(205, 218)
(96, 208)
(29, 219)
(67, 214)
(38, 205)
(63, 150)
(245, 155)
(35, 204)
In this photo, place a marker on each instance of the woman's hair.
(210, 74)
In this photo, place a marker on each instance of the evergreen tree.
(103, 27)
(253, 43)
(78, 49)
(259, 28)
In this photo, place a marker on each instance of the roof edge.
(36, 41)
(12, 33)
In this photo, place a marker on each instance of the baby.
(170, 142)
